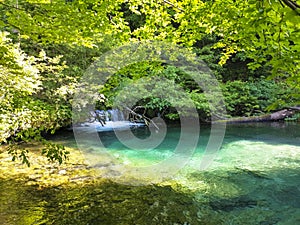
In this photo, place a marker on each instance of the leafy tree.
(24, 114)
(71, 22)
(265, 31)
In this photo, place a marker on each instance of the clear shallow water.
(254, 179)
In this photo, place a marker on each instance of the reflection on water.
(255, 179)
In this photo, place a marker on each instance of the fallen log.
(275, 116)
(297, 108)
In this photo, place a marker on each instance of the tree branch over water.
(292, 4)
(147, 120)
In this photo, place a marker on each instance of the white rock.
(62, 172)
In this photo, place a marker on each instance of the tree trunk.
(276, 116)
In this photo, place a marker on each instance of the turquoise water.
(257, 142)
(254, 179)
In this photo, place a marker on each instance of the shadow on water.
(96, 203)
(273, 133)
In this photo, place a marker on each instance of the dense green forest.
(252, 47)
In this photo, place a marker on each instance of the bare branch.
(174, 6)
(292, 4)
(146, 119)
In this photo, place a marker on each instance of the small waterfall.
(110, 115)
(116, 115)
(107, 120)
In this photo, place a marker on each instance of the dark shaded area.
(275, 133)
(111, 203)
(95, 203)
(231, 204)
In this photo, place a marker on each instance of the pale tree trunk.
(275, 116)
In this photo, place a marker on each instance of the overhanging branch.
(292, 4)
(174, 6)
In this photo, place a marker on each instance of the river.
(253, 179)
